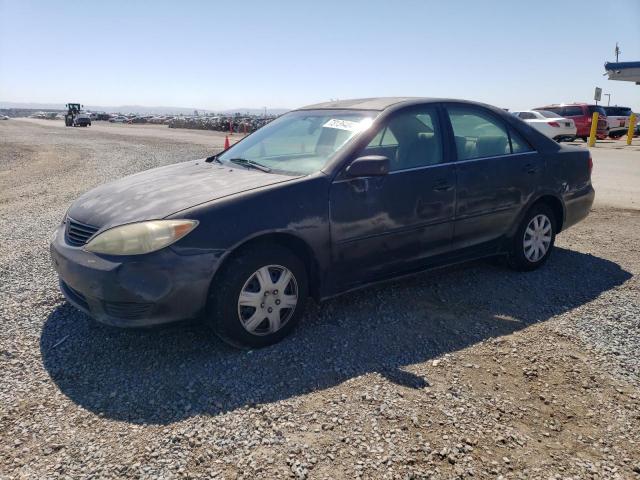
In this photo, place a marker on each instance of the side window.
(409, 140)
(518, 144)
(527, 116)
(477, 134)
(385, 138)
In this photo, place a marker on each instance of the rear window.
(618, 111)
(596, 108)
(555, 110)
(548, 114)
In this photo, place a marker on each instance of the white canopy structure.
(625, 71)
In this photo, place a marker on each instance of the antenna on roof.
(617, 52)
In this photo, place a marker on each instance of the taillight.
(590, 165)
(553, 124)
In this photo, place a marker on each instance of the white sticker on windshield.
(343, 125)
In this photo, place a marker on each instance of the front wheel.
(532, 244)
(258, 297)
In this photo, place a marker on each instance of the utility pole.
(617, 51)
(608, 95)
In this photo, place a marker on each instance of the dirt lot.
(472, 371)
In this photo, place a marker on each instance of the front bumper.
(137, 290)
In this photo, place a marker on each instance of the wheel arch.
(556, 205)
(285, 239)
(552, 201)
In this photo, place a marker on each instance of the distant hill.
(141, 109)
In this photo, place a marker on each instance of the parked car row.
(238, 124)
(223, 123)
(570, 121)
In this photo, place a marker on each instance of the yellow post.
(632, 127)
(594, 128)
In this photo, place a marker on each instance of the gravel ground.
(471, 371)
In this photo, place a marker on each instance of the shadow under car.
(159, 376)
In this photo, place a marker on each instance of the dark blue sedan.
(325, 199)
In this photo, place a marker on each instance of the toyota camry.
(324, 199)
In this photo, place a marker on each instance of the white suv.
(618, 120)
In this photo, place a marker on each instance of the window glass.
(571, 111)
(477, 134)
(388, 138)
(518, 144)
(556, 110)
(596, 108)
(527, 116)
(548, 114)
(619, 111)
(409, 140)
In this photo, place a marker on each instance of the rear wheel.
(532, 244)
(258, 297)
(585, 139)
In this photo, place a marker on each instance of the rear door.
(497, 171)
(393, 223)
(580, 117)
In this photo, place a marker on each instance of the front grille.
(126, 310)
(77, 234)
(74, 296)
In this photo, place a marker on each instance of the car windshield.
(300, 142)
(548, 114)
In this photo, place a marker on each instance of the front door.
(389, 224)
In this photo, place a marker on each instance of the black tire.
(517, 257)
(223, 313)
(585, 139)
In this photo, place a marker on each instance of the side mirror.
(369, 166)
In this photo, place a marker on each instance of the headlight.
(139, 238)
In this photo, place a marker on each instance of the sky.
(285, 54)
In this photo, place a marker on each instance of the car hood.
(160, 192)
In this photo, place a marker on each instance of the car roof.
(575, 104)
(381, 103)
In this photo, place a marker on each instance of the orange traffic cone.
(226, 142)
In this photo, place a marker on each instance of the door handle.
(442, 186)
(530, 169)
